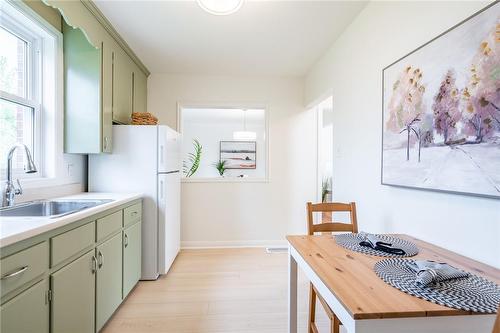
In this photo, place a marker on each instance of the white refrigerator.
(146, 159)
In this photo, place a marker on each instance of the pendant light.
(220, 7)
(244, 135)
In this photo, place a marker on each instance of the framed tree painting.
(239, 154)
(441, 111)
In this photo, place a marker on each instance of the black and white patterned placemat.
(351, 241)
(471, 293)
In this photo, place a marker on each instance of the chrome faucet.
(29, 167)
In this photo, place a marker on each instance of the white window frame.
(32, 80)
(45, 91)
(222, 105)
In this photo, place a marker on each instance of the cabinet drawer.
(71, 242)
(109, 224)
(23, 267)
(132, 214)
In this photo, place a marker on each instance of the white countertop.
(15, 229)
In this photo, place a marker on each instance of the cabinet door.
(73, 296)
(122, 87)
(131, 257)
(109, 279)
(82, 93)
(140, 90)
(28, 312)
(108, 47)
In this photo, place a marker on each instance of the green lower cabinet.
(131, 257)
(82, 295)
(28, 312)
(109, 279)
(73, 296)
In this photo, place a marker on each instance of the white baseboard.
(232, 244)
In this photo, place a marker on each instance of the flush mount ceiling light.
(244, 135)
(220, 7)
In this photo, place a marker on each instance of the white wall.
(71, 178)
(250, 212)
(352, 69)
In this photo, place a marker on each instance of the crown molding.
(116, 36)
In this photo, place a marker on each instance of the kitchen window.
(28, 87)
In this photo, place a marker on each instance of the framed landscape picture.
(239, 154)
(441, 111)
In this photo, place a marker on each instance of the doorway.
(324, 111)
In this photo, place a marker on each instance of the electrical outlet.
(70, 169)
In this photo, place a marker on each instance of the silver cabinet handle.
(125, 240)
(94, 265)
(134, 213)
(105, 142)
(100, 260)
(14, 273)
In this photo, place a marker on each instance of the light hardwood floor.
(215, 290)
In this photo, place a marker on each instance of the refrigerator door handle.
(161, 154)
(161, 189)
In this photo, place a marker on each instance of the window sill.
(225, 180)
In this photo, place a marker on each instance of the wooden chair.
(328, 227)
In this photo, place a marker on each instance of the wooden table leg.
(292, 294)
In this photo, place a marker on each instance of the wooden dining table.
(364, 303)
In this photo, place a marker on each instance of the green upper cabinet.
(104, 81)
(122, 87)
(140, 91)
(83, 130)
(129, 86)
(108, 47)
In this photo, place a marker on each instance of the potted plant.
(221, 167)
(326, 196)
(326, 190)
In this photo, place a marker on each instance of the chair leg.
(312, 309)
(335, 324)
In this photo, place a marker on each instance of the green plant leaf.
(193, 160)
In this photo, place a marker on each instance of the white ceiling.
(283, 38)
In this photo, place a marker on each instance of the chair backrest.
(332, 226)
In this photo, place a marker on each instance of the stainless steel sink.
(51, 208)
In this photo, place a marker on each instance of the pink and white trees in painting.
(482, 95)
(446, 107)
(441, 111)
(406, 106)
(473, 111)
